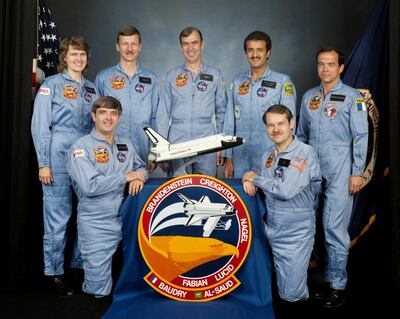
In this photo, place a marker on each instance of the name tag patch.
(337, 97)
(268, 84)
(144, 79)
(122, 147)
(206, 77)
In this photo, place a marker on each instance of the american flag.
(299, 163)
(47, 42)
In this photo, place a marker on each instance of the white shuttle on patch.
(197, 211)
(163, 150)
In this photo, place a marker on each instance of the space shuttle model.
(163, 150)
(205, 210)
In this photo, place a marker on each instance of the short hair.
(279, 109)
(331, 49)
(127, 31)
(258, 36)
(107, 102)
(77, 42)
(188, 31)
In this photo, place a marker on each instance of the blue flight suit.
(192, 106)
(291, 182)
(138, 96)
(98, 170)
(336, 125)
(247, 102)
(61, 114)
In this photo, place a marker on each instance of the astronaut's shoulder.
(241, 77)
(107, 71)
(212, 69)
(281, 76)
(312, 91)
(52, 79)
(351, 92)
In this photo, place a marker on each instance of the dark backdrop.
(297, 28)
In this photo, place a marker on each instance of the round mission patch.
(194, 234)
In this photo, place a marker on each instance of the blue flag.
(366, 69)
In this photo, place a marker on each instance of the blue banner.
(134, 296)
(367, 69)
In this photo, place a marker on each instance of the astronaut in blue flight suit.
(192, 104)
(135, 87)
(290, 177)
(333, 119)
(61, 115)
(251, 94)
(100, 164)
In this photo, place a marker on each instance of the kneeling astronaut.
(100, 164)
(290, 177)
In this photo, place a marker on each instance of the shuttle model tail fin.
(156, 138)
(185, 199)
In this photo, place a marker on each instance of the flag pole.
(37, 28)
(34, 61)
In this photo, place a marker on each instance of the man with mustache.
(135, 87)
(290, 177)
(251, 94)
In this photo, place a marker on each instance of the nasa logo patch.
(262, 92)
(279, 172)
(88, 97)
(194, 234)
(121, 157)
(202, 86)
(139, 88)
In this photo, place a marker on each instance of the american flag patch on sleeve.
(299, 163)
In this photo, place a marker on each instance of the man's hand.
(135, 176)
(45, 175)
(135, 186)
(228, 171)
(248, 186)
(219, 160)
(355, 183)
(249, 176)
(151, 166)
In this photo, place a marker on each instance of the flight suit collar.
(339, 84)
(266, 73)
(292, 146)
(202, 68)
(67, 76)
(97, 137)
(138, 70)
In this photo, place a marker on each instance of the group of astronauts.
(89, 139)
